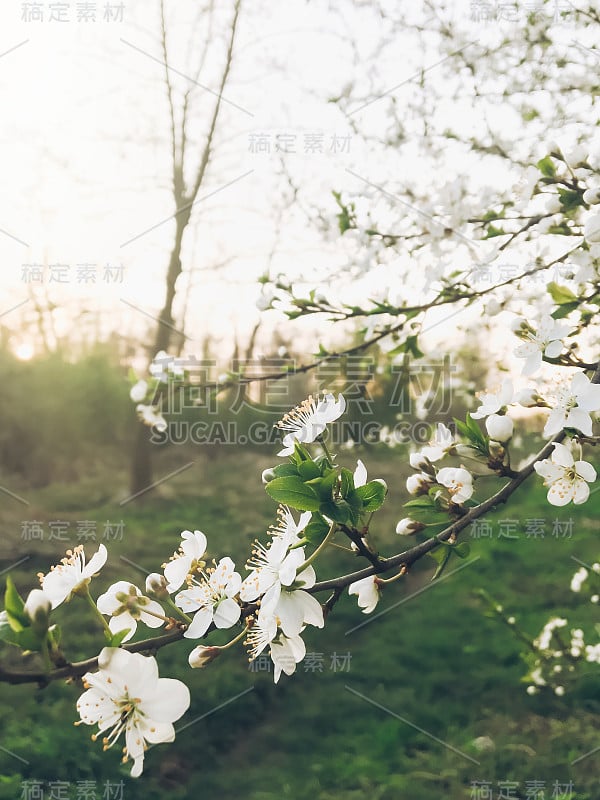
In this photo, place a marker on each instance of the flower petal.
(200, 624)
(227, 613)
(169, 701)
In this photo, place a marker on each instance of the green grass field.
(391, 710)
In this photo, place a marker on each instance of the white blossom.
(212, 599)
(125, 605)
(72, 574)
(308, 421)
(458, 481)
(568, 479)
(367, 590)
(572, 406)
(127, 695)
(546, 341)
(271, 566)
(493, 402)
(186, 559)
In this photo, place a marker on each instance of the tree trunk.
(141, 473)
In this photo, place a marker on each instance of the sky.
(86, 213)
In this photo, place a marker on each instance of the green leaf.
(347, 482)
(372, 495)
(300, 454)
(284, 470)
(309, 470)
(316, 530)
(462, 549)
(324, 486)
(116, 639)
(442, 556)
(546, 167)
(570, 198)
(471, 431)
(424, 501)
(560, 294)
(338, 511)
(293, 492)
(493, 231)
(25, 638)
(13, 604)
(565, 309)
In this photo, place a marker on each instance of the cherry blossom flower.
(368, 593)
(435, 450)
(212, 599)
(308, 421)
(458, 481)
(286, 526)
(186, 559)
(568, 479)
(293, 607)
(72, 574)
(572, 405)
(271, 566)
(546, 341)
(125, 605)
(126, 695)
(261, 634)
(492, 403)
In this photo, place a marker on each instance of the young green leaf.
(293, 492)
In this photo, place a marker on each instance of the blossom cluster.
(272, 604)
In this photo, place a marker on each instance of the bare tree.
(185, 195)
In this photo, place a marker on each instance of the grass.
(419, 684)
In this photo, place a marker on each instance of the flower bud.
(37, 607)
(201, 656)
(156, 584)
(265, 300)
(407, 526)
(138, 391)
(499, 428)
(267, 475)
(418, 461)
(418, 484)
(591, 196)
